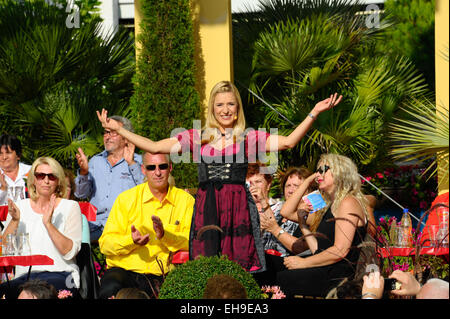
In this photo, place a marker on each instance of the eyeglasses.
(110, 133)
(41, 176)
(323, 170)
(152, 167)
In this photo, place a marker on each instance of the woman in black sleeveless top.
(341, 230)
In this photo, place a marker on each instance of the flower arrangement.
(410, 182)
(434, 266)
(272, 292)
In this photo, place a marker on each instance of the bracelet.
(311, 115)
(369, 294)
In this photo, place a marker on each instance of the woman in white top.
(12, 172)
(54, 225)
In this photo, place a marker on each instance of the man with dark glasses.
(107, 174)
(146, 225)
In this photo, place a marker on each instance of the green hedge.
(165, 97)
(188, 281)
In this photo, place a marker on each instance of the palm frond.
(424, 136)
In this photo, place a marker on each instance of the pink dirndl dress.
(225, 219)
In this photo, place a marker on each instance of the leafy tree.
(51, 86)
(412, 34)
(165, 97)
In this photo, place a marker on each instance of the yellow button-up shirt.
(136, 207)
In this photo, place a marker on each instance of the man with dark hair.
(12, 171)
(37, 289)
(108, 174)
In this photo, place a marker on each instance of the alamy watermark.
(373, 16)
(73, 19)
(254, 152)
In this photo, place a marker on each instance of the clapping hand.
(139, 239)
(13, 210)
(158, 227)
(48, 213)
(128, 153)
(82, 162)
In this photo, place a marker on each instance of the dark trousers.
(274, 264)
(58, 280)
(117, 278)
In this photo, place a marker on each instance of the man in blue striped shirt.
(107, 174)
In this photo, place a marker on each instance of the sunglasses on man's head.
(152, 167)
(41, 176)
(323, 170)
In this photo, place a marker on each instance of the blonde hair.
(346, 182)
(212, 126)
(57, 170)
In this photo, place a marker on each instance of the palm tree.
(423, 137)
(297, 62)
(53, 78)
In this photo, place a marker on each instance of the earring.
(235, 117)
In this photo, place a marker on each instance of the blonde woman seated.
(54, 227)
(341, 228)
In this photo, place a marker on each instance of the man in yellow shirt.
(146, 224)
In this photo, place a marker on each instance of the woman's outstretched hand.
(108, 123)
(328, 103)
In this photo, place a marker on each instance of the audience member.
(53, 224)
(146, 225)
(71, 186)
(108, 174)
(12, 171)
(347, 289)
(282, 235)
(37, 289)
(342, 227)
(276, 225)
(131, 293)
(223, 286)
(407, 285)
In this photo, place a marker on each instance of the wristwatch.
(282, 231)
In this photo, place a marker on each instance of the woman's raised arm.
(290, 206)
(165, 146)
(279, 142)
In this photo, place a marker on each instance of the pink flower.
(63, 294)
(423, 204)
(379, 175)
(279, 295)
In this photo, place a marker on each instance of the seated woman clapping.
(54, 225)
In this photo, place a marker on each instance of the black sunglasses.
(152, 167)
(41, 176)
(323, 170)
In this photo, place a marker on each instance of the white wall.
(240, 5)
(113, 10)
